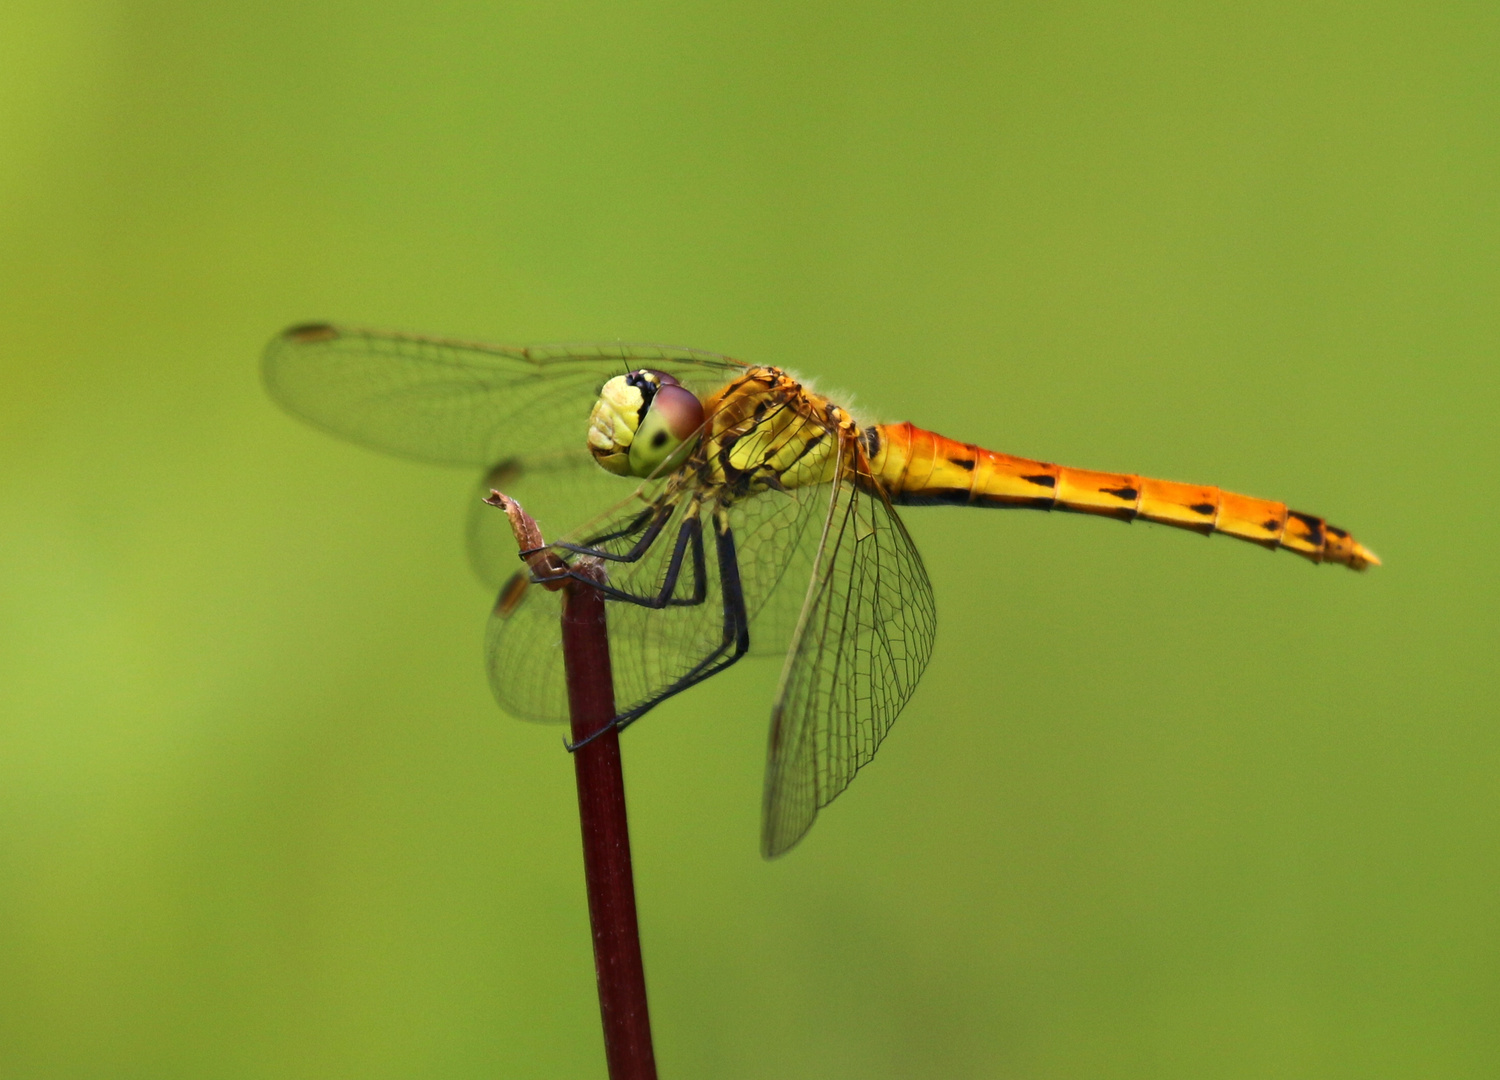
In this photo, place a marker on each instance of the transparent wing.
(521, 413)
(708, 563)
(456, 402)
(863, 639)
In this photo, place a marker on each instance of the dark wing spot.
(1202, 508)
(511, 593)
(309, 333)
(962, 463)
(1041, 480)
(502, 473)
(1125, 494)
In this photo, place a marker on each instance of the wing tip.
(779, 834)
(774, 847)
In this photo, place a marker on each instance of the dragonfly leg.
(689, 537)
(734, 642)
(700, 572)
(656, 512)
(659, 515)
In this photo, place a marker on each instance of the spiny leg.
(735, 639)
(700, 570)
(659, 514)
(630, 528)
(689, 537)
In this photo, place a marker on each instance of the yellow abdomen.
(916, 466)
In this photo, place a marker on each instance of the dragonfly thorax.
(767, 430)
(643, 421)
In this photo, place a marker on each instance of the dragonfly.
(737, 512)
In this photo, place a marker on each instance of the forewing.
(457, 402)
(863, 639)
(520, 413)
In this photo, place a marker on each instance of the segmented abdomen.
(917, 467)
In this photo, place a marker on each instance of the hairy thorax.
(767, 430)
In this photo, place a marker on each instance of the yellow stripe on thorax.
(774, 428)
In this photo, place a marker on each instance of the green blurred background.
(1161, 808)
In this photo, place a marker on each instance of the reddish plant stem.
(606, 837)
(601, 799)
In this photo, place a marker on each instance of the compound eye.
(679, 408)
(668, 430)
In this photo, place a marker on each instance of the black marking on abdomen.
(1126, 493)
(1041, 480)
(872, 440)
(1203, 508)
(1119, 513)
(932, 497)
(962, 463)
(1314, 526)
(948, 496)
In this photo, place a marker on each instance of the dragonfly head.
(642, 420)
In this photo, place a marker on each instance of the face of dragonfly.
(644, 423)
